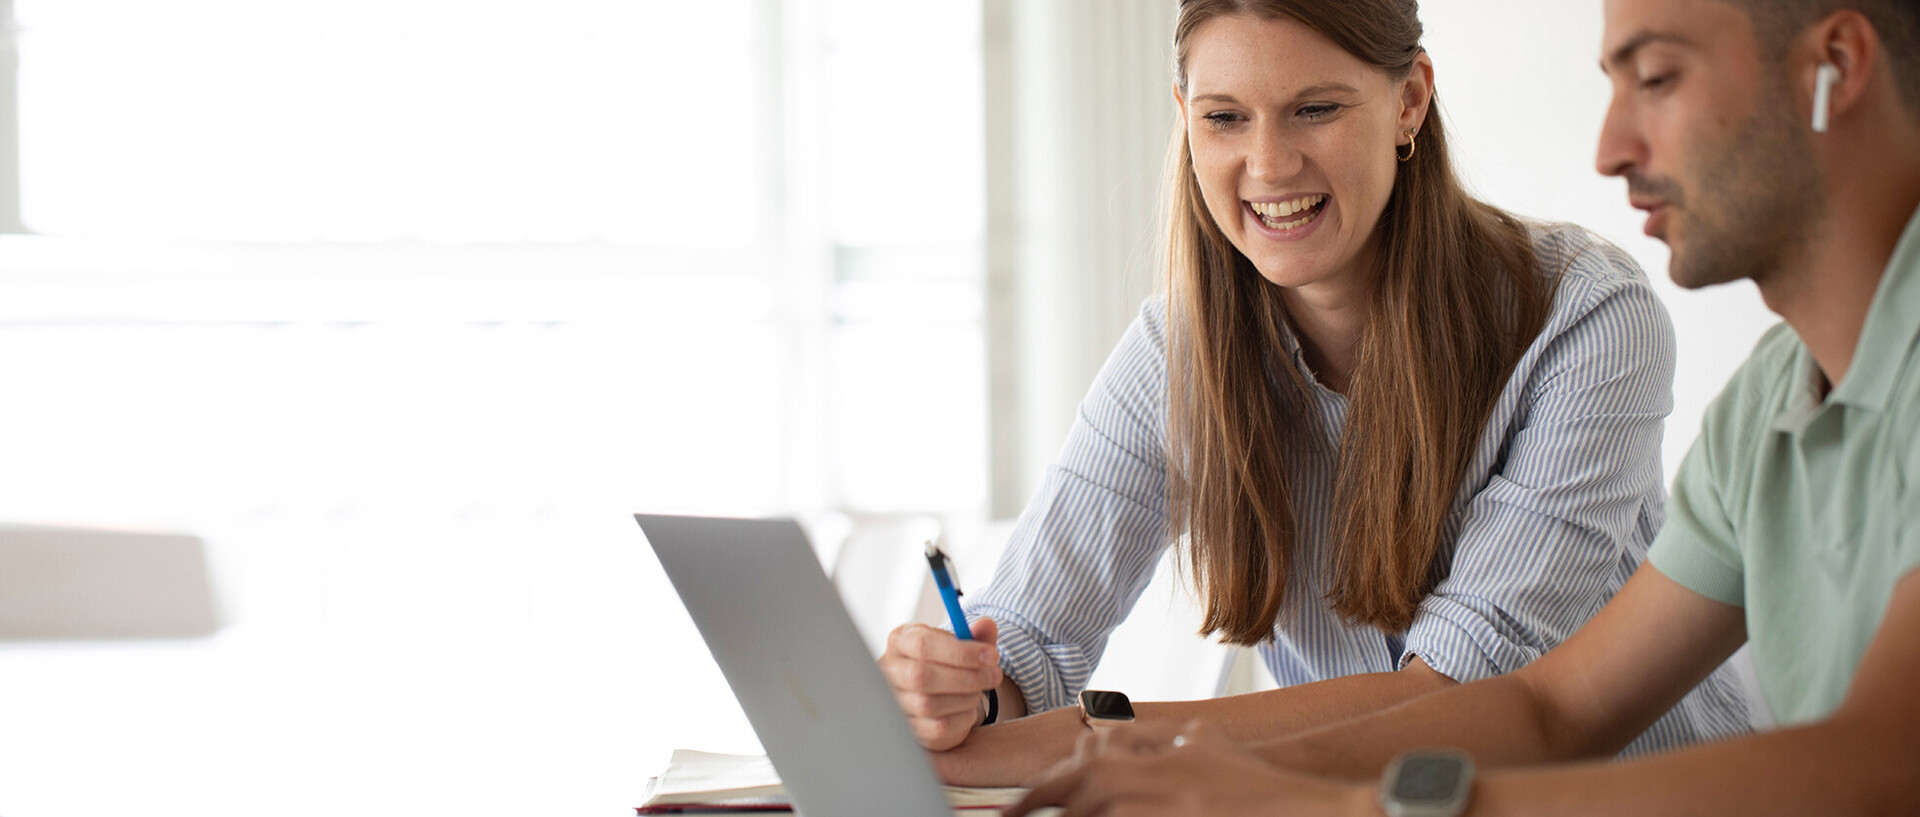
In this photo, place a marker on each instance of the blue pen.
(950, 595)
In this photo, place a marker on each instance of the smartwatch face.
(1111, 706)
(1428, 780)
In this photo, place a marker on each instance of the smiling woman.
(1441, 278)
(1404, 438)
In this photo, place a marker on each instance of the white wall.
(1521, 86)
(1078, 111)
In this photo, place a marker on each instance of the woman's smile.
(1288, 219)
(1292, 142)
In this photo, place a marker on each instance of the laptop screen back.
(797, 665)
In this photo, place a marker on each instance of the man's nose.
(1622, 146)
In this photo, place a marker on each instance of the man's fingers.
(1093, 786)
(1109, 769)
(1058, 785)
(1130, 740)
(1199, 733)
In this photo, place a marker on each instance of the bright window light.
(404, 306)
(387, 120)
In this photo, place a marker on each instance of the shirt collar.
(1803, 403)
(1291, 342)
(1893, 324)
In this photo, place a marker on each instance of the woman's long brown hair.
(1456, 303)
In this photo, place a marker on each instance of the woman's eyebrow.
(1327, 88)
(1311, 90)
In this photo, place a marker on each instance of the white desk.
(237, 725)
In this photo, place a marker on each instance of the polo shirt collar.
(1893, 325)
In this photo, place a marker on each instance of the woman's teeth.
(1271, 212)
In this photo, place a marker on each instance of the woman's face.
(1293, 144)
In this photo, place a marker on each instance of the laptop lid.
(797, 665)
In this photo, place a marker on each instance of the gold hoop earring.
(1411, 147)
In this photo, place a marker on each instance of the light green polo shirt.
(1808, 513)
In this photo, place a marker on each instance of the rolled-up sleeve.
(1553, 531)
(1086, 545)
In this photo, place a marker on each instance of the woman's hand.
(938, 679)
(1011, 753)
(1192, 770)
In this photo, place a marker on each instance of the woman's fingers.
(937, 646)
(938, 678)
(931, 661)
(921, 705)
(941, 734)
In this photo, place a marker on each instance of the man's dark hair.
(1777, 22)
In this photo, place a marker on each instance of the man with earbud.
(1770, 140)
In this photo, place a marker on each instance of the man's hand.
(1194, 770)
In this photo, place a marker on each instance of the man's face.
(1708, 137)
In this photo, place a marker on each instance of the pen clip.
(942, 568)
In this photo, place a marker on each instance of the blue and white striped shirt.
(1554, 514)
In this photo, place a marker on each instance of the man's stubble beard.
(1755, 201)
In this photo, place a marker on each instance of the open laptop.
(795, 661)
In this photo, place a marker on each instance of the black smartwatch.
(1101, 708)
(993, 707)
(1427, 783)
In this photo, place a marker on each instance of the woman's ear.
(1182, 102)
(1416, 93)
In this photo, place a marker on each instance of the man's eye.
(1657, 81)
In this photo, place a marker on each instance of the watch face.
(1429, 779)
(1107, 706)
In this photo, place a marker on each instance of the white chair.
(1157, 653)
(878, 563)
(79, 583)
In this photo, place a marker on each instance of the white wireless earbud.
(1823, 81)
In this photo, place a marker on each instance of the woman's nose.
(1273, 158)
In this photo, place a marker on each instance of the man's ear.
(1847, 41)
(1416, 93)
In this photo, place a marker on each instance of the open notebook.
(705, 781)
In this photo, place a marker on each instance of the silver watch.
(1427, 783)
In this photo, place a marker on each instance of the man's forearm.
(1011, 752)
(1826, 769)
(1498, 720)
(1281, 712)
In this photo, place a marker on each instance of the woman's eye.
(1319, 111)
(1222, 119)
